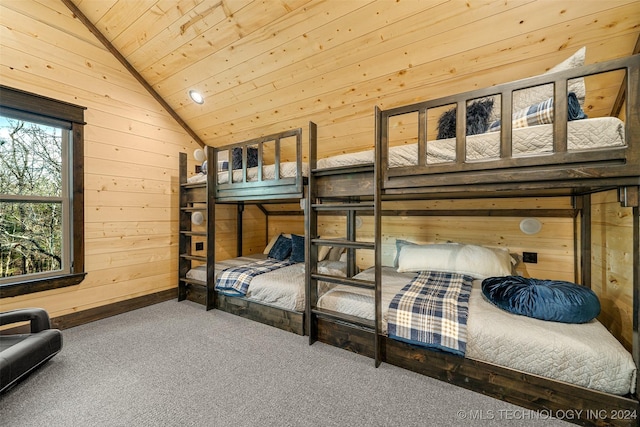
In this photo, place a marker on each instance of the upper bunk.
(267, 169)
(527, 137)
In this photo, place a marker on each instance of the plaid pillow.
(542, 113)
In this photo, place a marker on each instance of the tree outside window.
(34, 211)
(41, 193)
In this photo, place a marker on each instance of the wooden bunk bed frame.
(575, 174)
(243, 192)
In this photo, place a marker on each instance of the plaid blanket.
(432, 312)
(542, 113)
(235, 280)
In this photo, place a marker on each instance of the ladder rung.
(193, 208)
(344, 243)
(343, 170)
(193, 257)
(358, 283)
(334, 315)
(189, 185)
(194, 233)
(193, 281)
(357, 206)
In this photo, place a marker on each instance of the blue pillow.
(281, 249)
(297, 248)
(553, 300)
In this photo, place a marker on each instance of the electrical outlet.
(199, 246)
(530, 257)
(198, 168)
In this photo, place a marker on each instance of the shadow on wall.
(611, 317)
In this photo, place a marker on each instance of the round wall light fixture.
(197, 218)
(530, 226)
(199, 154)
(196, 96)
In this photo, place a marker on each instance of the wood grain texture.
(520, 388)
(554, 244)
(272, 66)
(269, 66)
(612, 264)
(290, 321)
(130, 156)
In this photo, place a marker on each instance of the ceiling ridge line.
(115, 52)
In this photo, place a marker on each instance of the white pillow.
(476, 261)
(524, 98)
(323, 251)
(535, 95)
(270, 244)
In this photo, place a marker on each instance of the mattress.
(283, 288)
(586, 134)
(586, 354)
(287, 170)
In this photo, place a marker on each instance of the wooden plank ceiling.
(269, 65)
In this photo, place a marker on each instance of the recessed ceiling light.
(196, 97)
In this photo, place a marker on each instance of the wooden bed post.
(212, 172)
(585, 240)
(239, 229)
(311, 232)
(184, 225)
(379, 171)
(351, 235)
(635, 352)
(630, 197)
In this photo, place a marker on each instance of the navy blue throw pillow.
(297, 248)
(281, 249)
(553, 300)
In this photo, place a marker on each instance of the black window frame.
(43, 109)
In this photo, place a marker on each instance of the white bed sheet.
(287, 170)
(282, 288)
(586, 134)
(582, 354)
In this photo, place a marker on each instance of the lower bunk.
(576, 372)
(275, 298)
(287, 320)
(547, 398)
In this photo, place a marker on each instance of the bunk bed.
(479, 166)
(250, 174)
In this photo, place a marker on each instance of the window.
(41, 193)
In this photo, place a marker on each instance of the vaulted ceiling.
(267, 65)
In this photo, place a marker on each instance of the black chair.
(20, 354)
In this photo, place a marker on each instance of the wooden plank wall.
(326, 61)
(553, 244)
(131, 156)
(612, 268)
(333, 61)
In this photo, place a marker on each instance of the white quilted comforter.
(582, 354)
(282, 288)
(287, 170)
(581, 135)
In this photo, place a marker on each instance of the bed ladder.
(351, 207)
(351, 245)
(196, 197)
